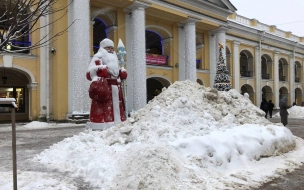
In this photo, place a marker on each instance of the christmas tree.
(221, 81)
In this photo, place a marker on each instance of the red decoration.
(123, 74)
(156, 59)
(99, 90)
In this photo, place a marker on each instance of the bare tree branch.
(19, 19)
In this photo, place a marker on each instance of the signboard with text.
(156, 59)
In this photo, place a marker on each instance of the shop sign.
(156, 59)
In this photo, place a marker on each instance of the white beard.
(110, 60)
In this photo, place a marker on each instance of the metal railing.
(281, 78)
(246, 74)
(297, 79)
(265, 76)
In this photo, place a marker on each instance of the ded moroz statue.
(107, 107)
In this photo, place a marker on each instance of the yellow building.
(165, 41)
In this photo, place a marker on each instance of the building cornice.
(229, 5)
(190, 13)
(209, 7)
(20, 55)
(255, 33)
(159, 67)
(264, 46)
(203, 71)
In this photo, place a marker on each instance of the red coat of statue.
(107, 107)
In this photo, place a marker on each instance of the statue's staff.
(121, 53)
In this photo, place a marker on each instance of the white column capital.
(111, 29)
(201, 46)
(190, 20)
(32, 86)
(136, 5)
(220, 29)
(167, 40)
(236, 43)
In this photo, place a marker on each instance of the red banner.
(156, 59)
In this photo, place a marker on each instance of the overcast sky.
(274, 12)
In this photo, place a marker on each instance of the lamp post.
(121, 53)
(10, 102)
(4, 78)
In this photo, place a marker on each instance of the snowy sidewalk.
(37, 125)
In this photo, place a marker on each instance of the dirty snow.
(188, 137)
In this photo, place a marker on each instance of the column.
(79, 56)
(220, 37)
(138, 55)
(212, 57)
(258, 76)
(276, 79)
(91, 38)
(228, 63)
(292, 79)
(32, 88)
(236, 64)
(129, 61)
(44, 55)
(190, 51)
(216, 36)
(181, 53)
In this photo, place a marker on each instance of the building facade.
(165, 41)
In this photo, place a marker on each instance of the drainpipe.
(262, 33)
(293, 79)
(47, 69)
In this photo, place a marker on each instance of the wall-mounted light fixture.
(53, 50)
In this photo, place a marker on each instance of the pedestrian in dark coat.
(264, 106)
(283, 110)
(270, 108)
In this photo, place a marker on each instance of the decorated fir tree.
(221, 81)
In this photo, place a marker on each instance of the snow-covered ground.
(188, 137)
(294, 112)
(36, 125)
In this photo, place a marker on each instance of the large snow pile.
(294, 112)
(188, 137)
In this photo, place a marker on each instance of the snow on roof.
(259, 29)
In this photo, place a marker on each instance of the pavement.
(293, 180)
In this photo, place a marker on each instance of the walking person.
(264, 106)
(283, 111)
(270, 108)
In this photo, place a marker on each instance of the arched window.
(99, 33)
(297, 71)
(153, 43)
(283, 70)
(246, 64)
(264, 68)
